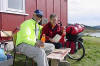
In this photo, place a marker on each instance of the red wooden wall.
(0, 20)
(11, 21)
(57, 8)
(30, 7)
(49, 7)
(64, 12)
(41, 4)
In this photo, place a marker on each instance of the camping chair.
(15, 52)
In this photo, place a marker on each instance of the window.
(0, 5)
(12, 6)
(16, 5)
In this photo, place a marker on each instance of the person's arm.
(59, 30)
(39, 43)
(45, 31)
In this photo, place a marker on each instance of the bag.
(79, 46)
(62, 40)
(71, 44)
(74, 29)
(2, 55)
(80, 27)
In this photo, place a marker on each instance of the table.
(58, 55)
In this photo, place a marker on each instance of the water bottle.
(9, 56)
(43, 40)
(2, 55)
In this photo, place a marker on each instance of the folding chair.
(15, 52)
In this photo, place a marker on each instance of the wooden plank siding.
(10, 21)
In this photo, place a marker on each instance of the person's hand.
(39, 43)
(51, 40)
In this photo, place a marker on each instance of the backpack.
(74, 29)
(80, 27)
(71, 44)
(74, 47)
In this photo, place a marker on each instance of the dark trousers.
(57, 45)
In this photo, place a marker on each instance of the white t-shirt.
(37, 31)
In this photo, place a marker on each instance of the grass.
(20, 60)
(92, 56)
(91, 31)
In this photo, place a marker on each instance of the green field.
(91, 30)
(92, 56)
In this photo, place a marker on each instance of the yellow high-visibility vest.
(27, 32)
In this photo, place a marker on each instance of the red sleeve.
(59, 30)
(45, 31)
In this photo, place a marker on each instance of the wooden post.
(64, 63)
(54, 62)
(32, 62)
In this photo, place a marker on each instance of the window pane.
(15, 4)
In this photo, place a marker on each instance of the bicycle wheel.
(79, 54)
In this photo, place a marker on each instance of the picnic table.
(58, 55)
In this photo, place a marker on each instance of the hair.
(52, 16)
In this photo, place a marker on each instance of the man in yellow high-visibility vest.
(28, 39)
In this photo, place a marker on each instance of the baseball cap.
(39, 13)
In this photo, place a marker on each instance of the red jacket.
(49, 32)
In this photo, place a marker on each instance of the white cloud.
(84, 6)
(79, 9)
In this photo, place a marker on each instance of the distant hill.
(92, 27)
(98, 27)
(89, 29)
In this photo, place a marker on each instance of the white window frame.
(4, 8)
(1, 5)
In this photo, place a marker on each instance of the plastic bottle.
(2, 55)
(43, 40)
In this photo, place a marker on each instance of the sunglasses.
(39, 16)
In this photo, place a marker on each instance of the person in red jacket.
(51, 29)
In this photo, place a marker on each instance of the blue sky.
(84, 12)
